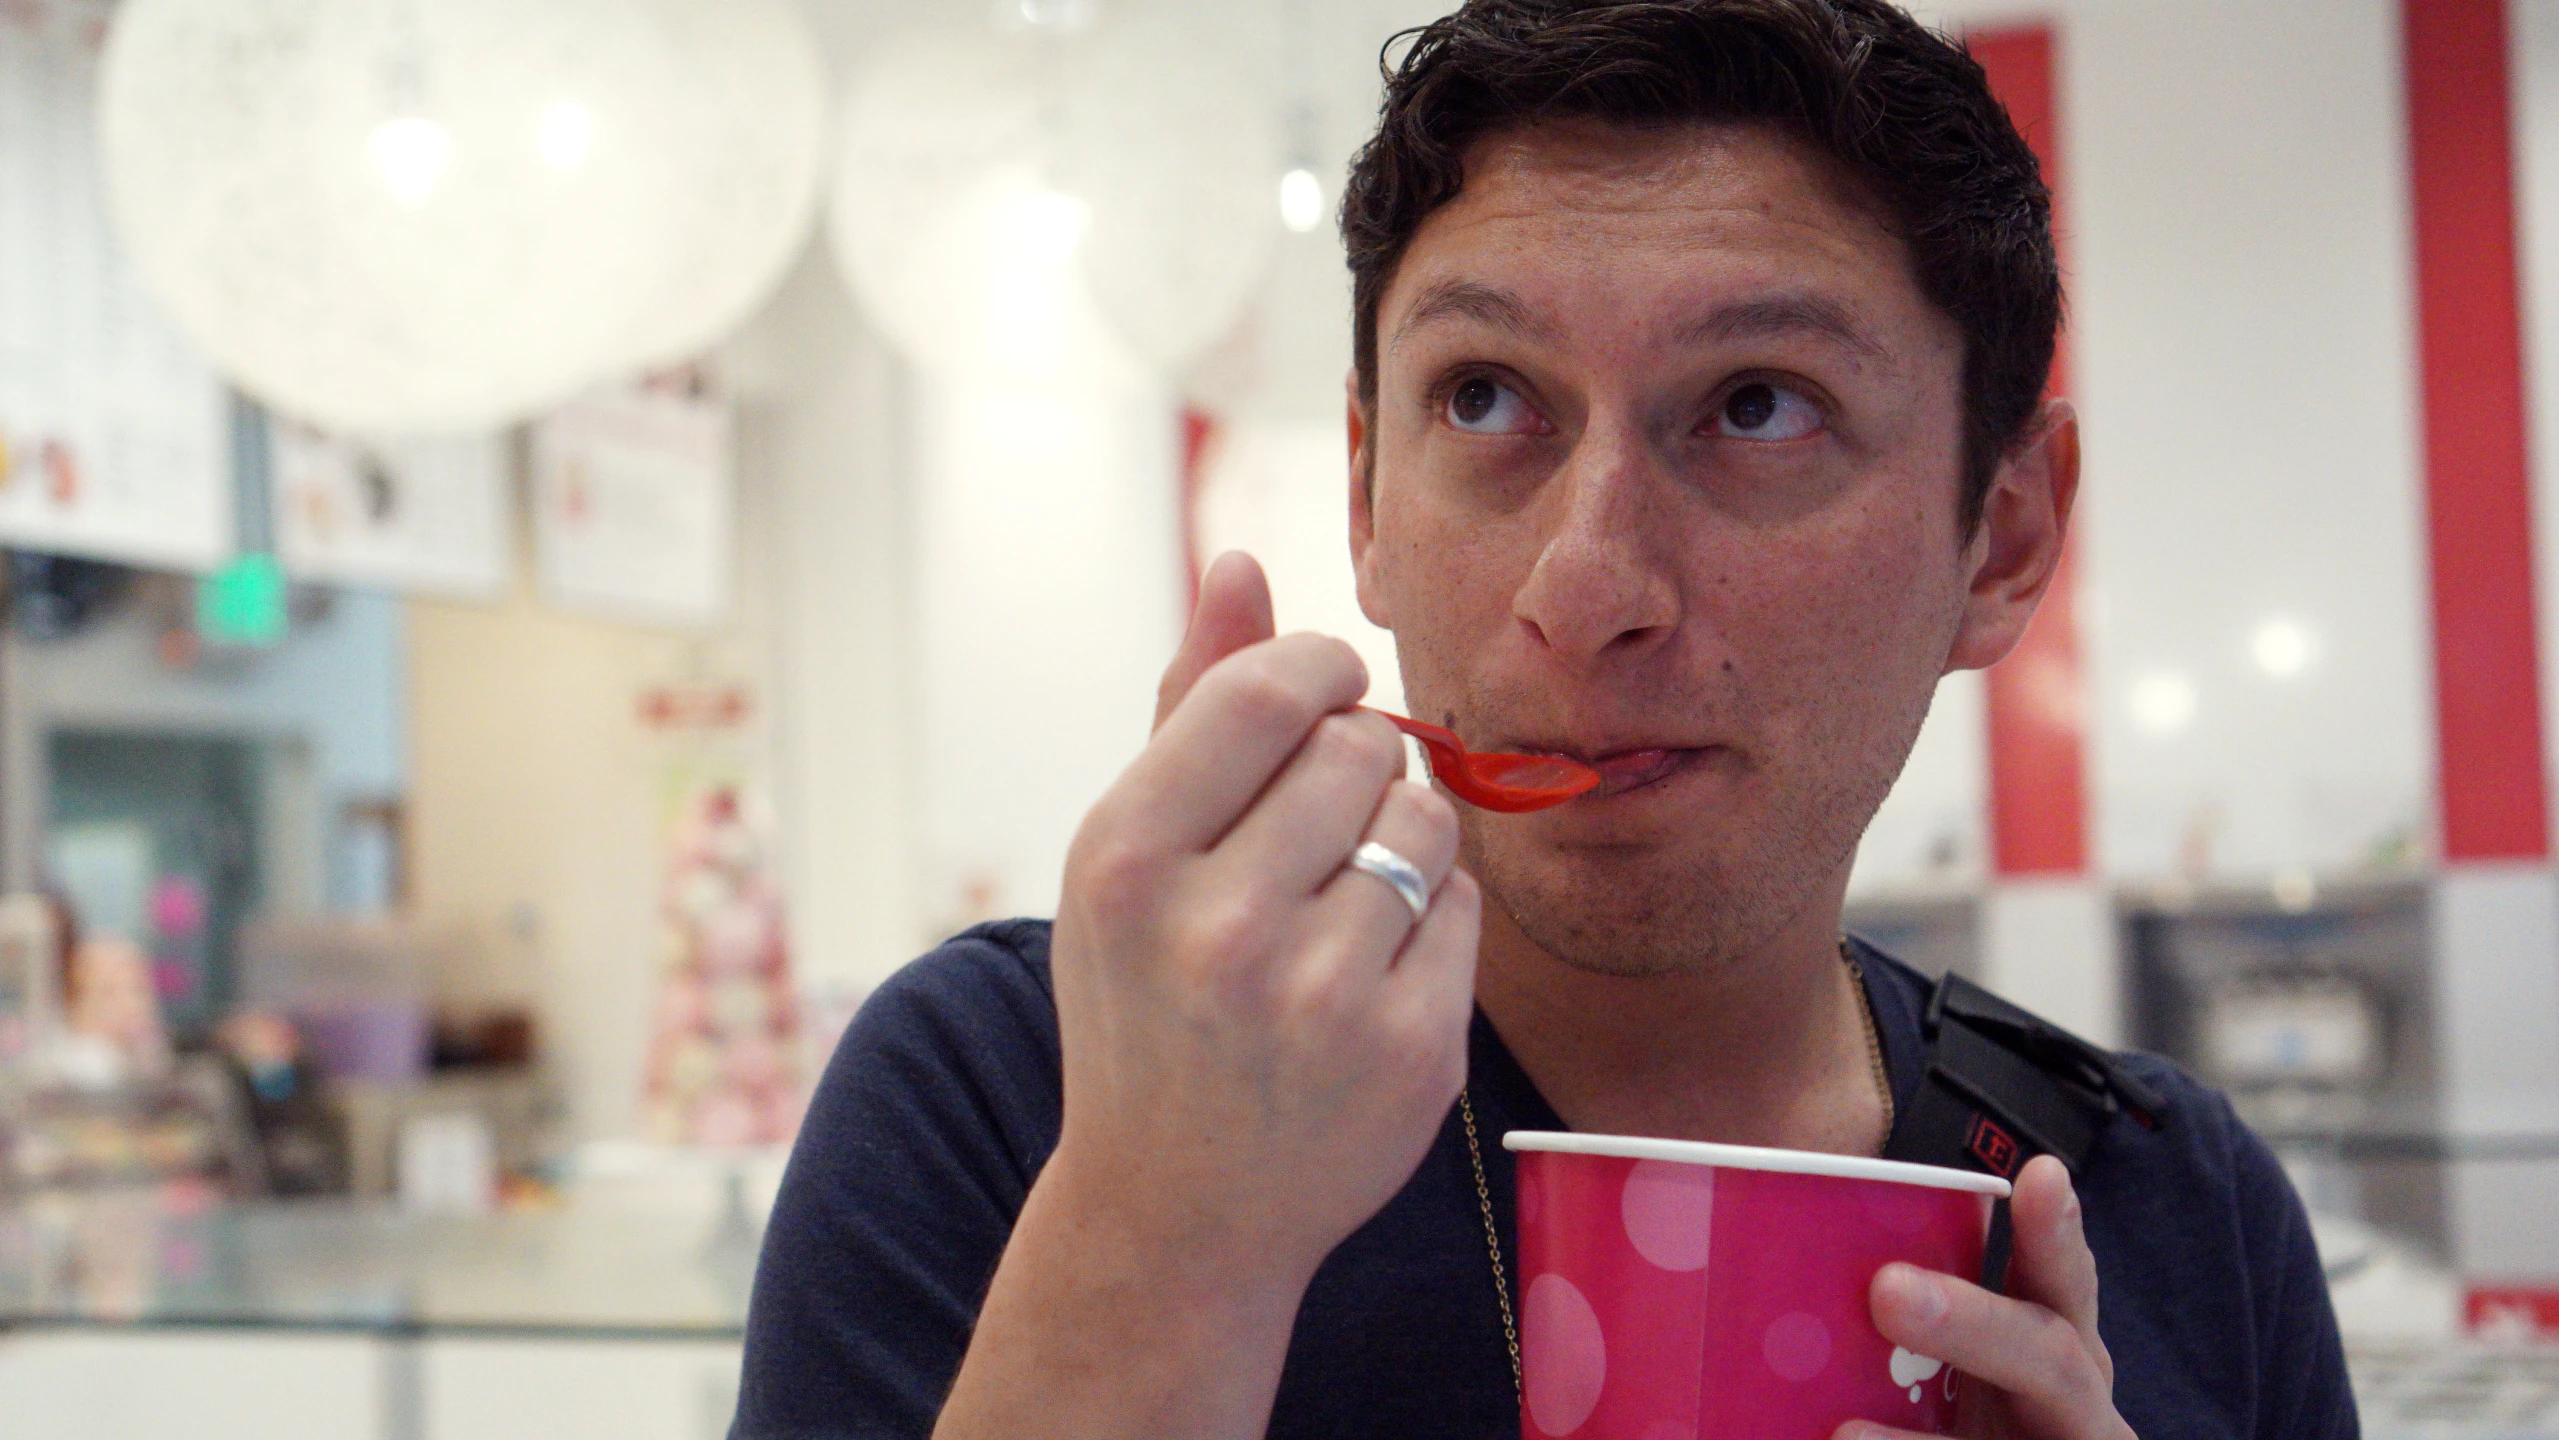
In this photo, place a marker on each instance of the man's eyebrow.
(1780, 316)
(1472, 300)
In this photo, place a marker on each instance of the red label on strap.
(1995, 1148)
(1992, 1147)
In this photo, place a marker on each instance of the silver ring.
(1372, 858)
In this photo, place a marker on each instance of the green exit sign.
(242, 603)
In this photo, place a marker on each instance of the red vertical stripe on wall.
(2478, 489)
(2038, 762)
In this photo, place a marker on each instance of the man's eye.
(1482, 406)
(1761, 411)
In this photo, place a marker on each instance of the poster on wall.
(115, 435)
(633, 491)
(421, 515)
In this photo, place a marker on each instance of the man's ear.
(1366, 554)
(2015, 550)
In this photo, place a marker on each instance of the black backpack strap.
(2002, 1086)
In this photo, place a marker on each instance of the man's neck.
(1769, 1048)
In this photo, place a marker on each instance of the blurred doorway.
(173, 840)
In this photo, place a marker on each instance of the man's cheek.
(1452, 615)
(1822, 680)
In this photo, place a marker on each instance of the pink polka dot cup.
(1670, 1290)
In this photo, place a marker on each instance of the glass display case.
(596, 1316)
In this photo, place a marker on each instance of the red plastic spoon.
(1492, 780)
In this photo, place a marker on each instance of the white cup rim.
(1753, 1157)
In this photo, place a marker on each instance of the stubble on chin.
(1638, 912)
(1630, 917)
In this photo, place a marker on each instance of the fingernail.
(1920, 1292)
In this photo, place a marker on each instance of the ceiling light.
(1301, 200)
(2163, 702)
(2283, 648)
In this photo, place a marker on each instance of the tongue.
(1629, 768)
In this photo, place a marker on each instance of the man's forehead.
(1756, 314)
(1588, 170)
(1600, 151)
(1727, 230)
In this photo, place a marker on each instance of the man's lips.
(1629, 768)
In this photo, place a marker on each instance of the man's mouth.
(1632, 769)
(1624, 770)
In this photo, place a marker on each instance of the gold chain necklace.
(1484, 1191)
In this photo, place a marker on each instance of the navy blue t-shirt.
(943, 1102)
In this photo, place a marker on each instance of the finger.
(1232, 732)
(1416, 823)
(1319, 805)
(1869, 1430)
(2052, 1264)
(2032, 1353)
(1234, 611)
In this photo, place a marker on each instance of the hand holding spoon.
(1509, 784)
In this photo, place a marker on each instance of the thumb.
(1234, 611)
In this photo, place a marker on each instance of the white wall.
(1048, 600)
(2244, 328)
(824, 425)
(1933, 832)
(1281, 490)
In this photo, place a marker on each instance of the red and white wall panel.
(2314, 334)
(2493, 423)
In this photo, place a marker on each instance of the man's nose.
(1603, 583)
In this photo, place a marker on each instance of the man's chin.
(1630, 931)
(1639, 913)
(1615, 964)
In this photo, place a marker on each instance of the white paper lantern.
(946, 215)
(1179, 159)
(758, 91)
(401, 215)
(998, 195)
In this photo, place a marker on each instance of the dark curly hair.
(1904, 111)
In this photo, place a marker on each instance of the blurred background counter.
(613, 1309)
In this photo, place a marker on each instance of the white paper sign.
(411, 514)
(115, 436)
(632, 495)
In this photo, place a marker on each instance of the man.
(1696, 430)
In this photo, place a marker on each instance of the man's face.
(1666, 452)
